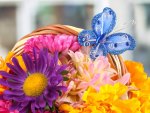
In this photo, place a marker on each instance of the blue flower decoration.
(102, 43)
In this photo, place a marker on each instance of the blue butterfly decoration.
(102, 43)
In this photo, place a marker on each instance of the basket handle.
(116, 61)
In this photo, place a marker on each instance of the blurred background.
(20, 17)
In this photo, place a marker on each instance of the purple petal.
(3, 82)
(16, 63)
(45, 61)
(55, 57)
(53, 81)
(23, 108)
(44, 68)
(28, 62)
(33, 107)
(14, 85)
(52, 64)
(14, 92)
(50, 97)
(16, 71)
(59, 78)
(62, 88)
(15, 98)
(25, 103)
(48, 71)
(14, 106)
(41, 62)
(52, 94)
(35, 59)
(50, 103)
(10, 76)
(42, 102)
(37, 102)
(61, 68)
(19, 98)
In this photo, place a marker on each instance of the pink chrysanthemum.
(61, 43)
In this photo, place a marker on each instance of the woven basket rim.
(116, 61)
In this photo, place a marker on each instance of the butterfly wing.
(87, 38)
(119, 42)
(98, 50)
(103, 23)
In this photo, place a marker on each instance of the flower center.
(35, 84)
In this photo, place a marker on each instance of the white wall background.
(125, 9)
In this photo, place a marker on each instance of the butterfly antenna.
(125, 26)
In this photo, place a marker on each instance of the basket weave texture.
(116, 61)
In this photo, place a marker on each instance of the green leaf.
(53, 108)
(65, 78)
(47, 108)
(65, 72)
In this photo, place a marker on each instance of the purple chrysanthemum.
(37, 88)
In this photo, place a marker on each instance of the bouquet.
(64, 69)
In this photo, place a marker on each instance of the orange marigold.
(140, 79)
(138, 75)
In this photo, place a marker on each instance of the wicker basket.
(116, 61)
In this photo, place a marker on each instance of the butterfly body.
(102, 43)
(101, 39)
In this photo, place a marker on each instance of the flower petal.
(16, 71)
(124, 79)
(16, 63)
(28, 62)
(33, 107)
(3, 82)
(13, 92)
(14, 84)
(11, 76)
(42, 102)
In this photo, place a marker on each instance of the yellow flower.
(107, 92)
(1, 62)
(3, 65)
(144, 98)
(106, 100)
(68, 109)
(88, 109)
(126, 106)
(146, 85)
(138, 76)
(145, 108)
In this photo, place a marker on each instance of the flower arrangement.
(53, 72)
